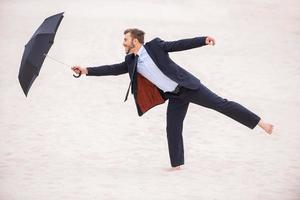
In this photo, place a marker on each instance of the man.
(155, 78)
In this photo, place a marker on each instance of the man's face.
(128, 43)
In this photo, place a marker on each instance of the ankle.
(261, 123)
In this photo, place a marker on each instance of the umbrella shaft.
(56, 60)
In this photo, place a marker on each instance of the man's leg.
(204, 97)
(176, 112)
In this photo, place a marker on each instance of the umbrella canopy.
(36, 49)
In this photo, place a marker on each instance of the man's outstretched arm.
(185, 44)
(104, 70)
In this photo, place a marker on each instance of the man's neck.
(137, 48)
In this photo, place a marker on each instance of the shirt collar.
(141, 50)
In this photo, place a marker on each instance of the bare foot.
(268, 128)
(173, 169)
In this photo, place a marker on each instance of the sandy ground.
(76, 139)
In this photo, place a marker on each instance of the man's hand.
(78, 69)
(210, 41)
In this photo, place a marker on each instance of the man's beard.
(130, 47)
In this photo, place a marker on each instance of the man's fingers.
(210, 41)
(76, 69)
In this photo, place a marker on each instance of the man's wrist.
(203, 40)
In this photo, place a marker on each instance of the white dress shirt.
(147, 68)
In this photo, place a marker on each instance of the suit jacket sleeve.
(106, 70)
(180, 45)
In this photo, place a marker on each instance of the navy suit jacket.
(158, 50)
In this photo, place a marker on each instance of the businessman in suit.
(155, 78)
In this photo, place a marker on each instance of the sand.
(76, 139)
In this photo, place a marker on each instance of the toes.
(270, 129)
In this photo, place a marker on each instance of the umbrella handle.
(77, 76)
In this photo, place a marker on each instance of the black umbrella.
(36, 49)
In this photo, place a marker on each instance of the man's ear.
(135, 41)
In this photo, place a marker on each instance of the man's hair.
(136, 33)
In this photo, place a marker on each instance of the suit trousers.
(177, 109)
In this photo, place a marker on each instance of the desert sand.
(76, 138)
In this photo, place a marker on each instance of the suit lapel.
(132, 65)
(152, 56)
